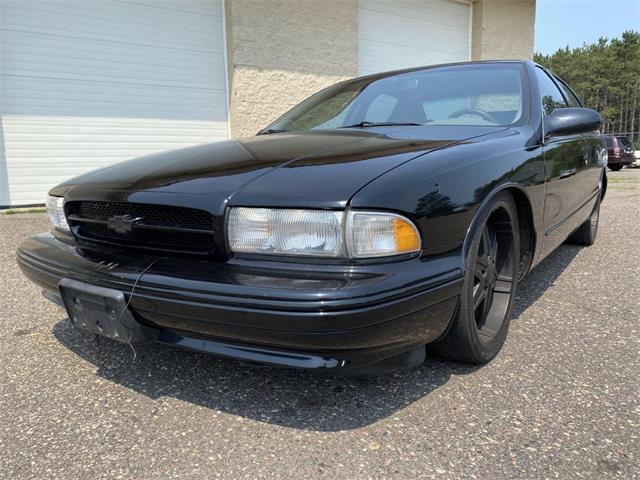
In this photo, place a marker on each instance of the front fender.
(443, 191)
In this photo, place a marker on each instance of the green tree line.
(606, 76)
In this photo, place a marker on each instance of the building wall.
(503, 29)
(282, 51)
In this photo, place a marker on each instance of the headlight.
(286, 232)
(371, 234)
(320, 233)
(56, 213)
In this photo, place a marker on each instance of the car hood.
(321, 169)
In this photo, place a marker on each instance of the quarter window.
(568, 94)
(551, 96)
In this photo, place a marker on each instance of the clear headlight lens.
(320, 233)
(286, 231)
(56, 213)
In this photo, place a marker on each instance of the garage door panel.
(389, 51)
(82, 146)
(82, 99)
(121, 22)
(146, 63)
(56, 88)
(385, 55)
(102, 62)
(117, 107)
(449, 12)
(86, 86)
(204, 7)
(409, 33)
(406, 30)
(131, 75)
(47, 45)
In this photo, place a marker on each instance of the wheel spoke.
(503, 284)
(482, 262)
(488, 300)
(502, 289)
(479, 296)
(494, 248)
(486, 241)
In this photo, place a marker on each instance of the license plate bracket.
(103, 311)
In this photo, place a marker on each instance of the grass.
(621, 179)
(16, 211)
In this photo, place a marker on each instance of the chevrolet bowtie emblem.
(122, 224)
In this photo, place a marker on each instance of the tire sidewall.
(465, 324)
(593, 233)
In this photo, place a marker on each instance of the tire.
(616, 168)
(481, 323)
(586, 233)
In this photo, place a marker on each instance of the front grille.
(136, 225)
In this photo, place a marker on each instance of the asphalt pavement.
(562, 400)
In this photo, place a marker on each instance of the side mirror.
(571, 121)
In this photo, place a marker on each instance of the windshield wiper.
(366, 124)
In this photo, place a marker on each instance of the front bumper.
(306, 316)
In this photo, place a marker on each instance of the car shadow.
(290, 398)
(538, 281)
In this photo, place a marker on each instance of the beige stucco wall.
(503, 29)
(281, 51)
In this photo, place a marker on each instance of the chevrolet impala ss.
(381, 218)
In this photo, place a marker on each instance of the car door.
(563, 163)
(590, 174)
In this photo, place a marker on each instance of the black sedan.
(381, 217)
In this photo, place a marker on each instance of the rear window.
(609, 141)
(624, 142)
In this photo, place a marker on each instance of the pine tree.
(606, 76)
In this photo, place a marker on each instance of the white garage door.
(89, 83)
(409, 33)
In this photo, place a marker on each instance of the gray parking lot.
(560, 401)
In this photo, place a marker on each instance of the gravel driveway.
(560, 401)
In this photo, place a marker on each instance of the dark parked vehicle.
(619, 151)
(378, 216)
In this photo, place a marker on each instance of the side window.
(551, 96)
(568, 94)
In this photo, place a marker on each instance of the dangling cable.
(126, 306)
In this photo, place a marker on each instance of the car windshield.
(473, 95)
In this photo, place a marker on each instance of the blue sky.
(573, 22)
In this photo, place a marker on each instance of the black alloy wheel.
(480, 326)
